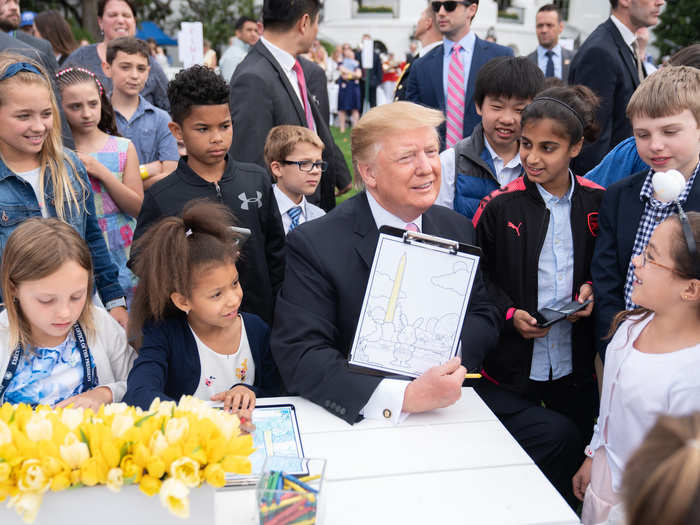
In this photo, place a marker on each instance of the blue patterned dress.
(117, 227)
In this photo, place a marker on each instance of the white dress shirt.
(628, 36)
(557, 59)
(309, 211)
(387, 399)
(426, 49)
(505, 173)
(465, 54)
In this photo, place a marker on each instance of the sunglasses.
(449, 6)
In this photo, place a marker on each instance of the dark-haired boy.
(202, 121)
(488, 159)
(137, 119)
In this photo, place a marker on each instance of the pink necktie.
(304, 96)
(411, 227)
(455, 99)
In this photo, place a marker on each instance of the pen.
(472, 376)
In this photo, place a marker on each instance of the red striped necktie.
(455, 99)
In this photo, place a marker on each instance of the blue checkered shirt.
(655, 212)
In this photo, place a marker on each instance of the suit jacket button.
(328, 402)
(387, 413)
(342, 411)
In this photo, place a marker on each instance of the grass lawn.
(343, 142)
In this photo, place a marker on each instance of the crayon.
(310, 478)
(297, 481)
(472, 376)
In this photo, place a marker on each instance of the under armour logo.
(516, 228)
(245, 201)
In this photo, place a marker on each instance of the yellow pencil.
(472, 376)
(309, 478)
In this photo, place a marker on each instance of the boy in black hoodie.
(199, 102)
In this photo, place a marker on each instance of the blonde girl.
(56, 348)
(38, 178)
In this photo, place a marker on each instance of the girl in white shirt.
(651, 365)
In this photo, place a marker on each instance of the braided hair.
(71, 76)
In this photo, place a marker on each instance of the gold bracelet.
(143, 171)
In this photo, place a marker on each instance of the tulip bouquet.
(165, 450)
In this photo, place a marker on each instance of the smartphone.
(548, 316)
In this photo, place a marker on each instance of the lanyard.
(89, 377)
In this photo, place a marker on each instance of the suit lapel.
(428, 225)
(260, 48)
(435, 69)
(365, 229)
(631, 209)
(624, 50)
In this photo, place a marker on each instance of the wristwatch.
(119, 301)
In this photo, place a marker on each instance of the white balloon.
(668, 185)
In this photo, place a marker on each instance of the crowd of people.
(161, 239)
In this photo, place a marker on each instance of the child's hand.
(582, 478)
(239, 398)
(93, 166)
(584, 293)
(93, 399)
(527, 325)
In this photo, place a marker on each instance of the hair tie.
(188, 232)
(562, 103)
(100, 88)
(18, 67)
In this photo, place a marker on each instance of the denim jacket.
(18, 202)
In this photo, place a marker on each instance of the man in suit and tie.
(395, 151)
(550, 56)
(608, 63)
(444, 78)
(269, 88)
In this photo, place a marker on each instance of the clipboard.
(415, 303)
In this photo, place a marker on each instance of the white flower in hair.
(668, 185)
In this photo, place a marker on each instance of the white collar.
(284, 203)
(556, 50)
(425, 50)
(384, 217)
(284, 59)
(467, 43)
(515, 161)
(548, 197)
(626, 33)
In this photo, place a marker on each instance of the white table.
(454, 465)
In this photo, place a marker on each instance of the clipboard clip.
(432, 242)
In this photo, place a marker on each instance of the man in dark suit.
(607, 62)
(268, 89)
(428, 83)
(328, 266)
(550, 56)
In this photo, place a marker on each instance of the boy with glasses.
(294, 156)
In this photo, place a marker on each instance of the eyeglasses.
(307, 165)
(646, 260)
(449, 6)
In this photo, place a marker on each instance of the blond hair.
(281, 141)
(388, 119)
(668, 91)
(36, 249)
(51, 157)
(661, 483)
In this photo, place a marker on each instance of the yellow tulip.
(236, 464)
(74, 477)
(5, 471)
(186, 470)
(26, 504)
(7, 410)
(214, 475)
(115, 479)
(110, 453)
(38, 427)
(132, 472)
(52, 466)
(61, 481)
(149, 485)
(121, 423)
(199, 455)
(174, 497)
(241, 445)
(175, 429)
(31, 477)
(92, 472)
(72, 417)
(74, 452)
(216, 448)
(115, 408)
(5, 433)
(158, 443)
(155, 466)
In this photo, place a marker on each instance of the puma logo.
(516, 228)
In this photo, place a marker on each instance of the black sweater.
(246, 190)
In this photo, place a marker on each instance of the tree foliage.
(217, 16)
(678, 26)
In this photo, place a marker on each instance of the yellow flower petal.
(174, 495)
(115, 479)
(149, 485)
